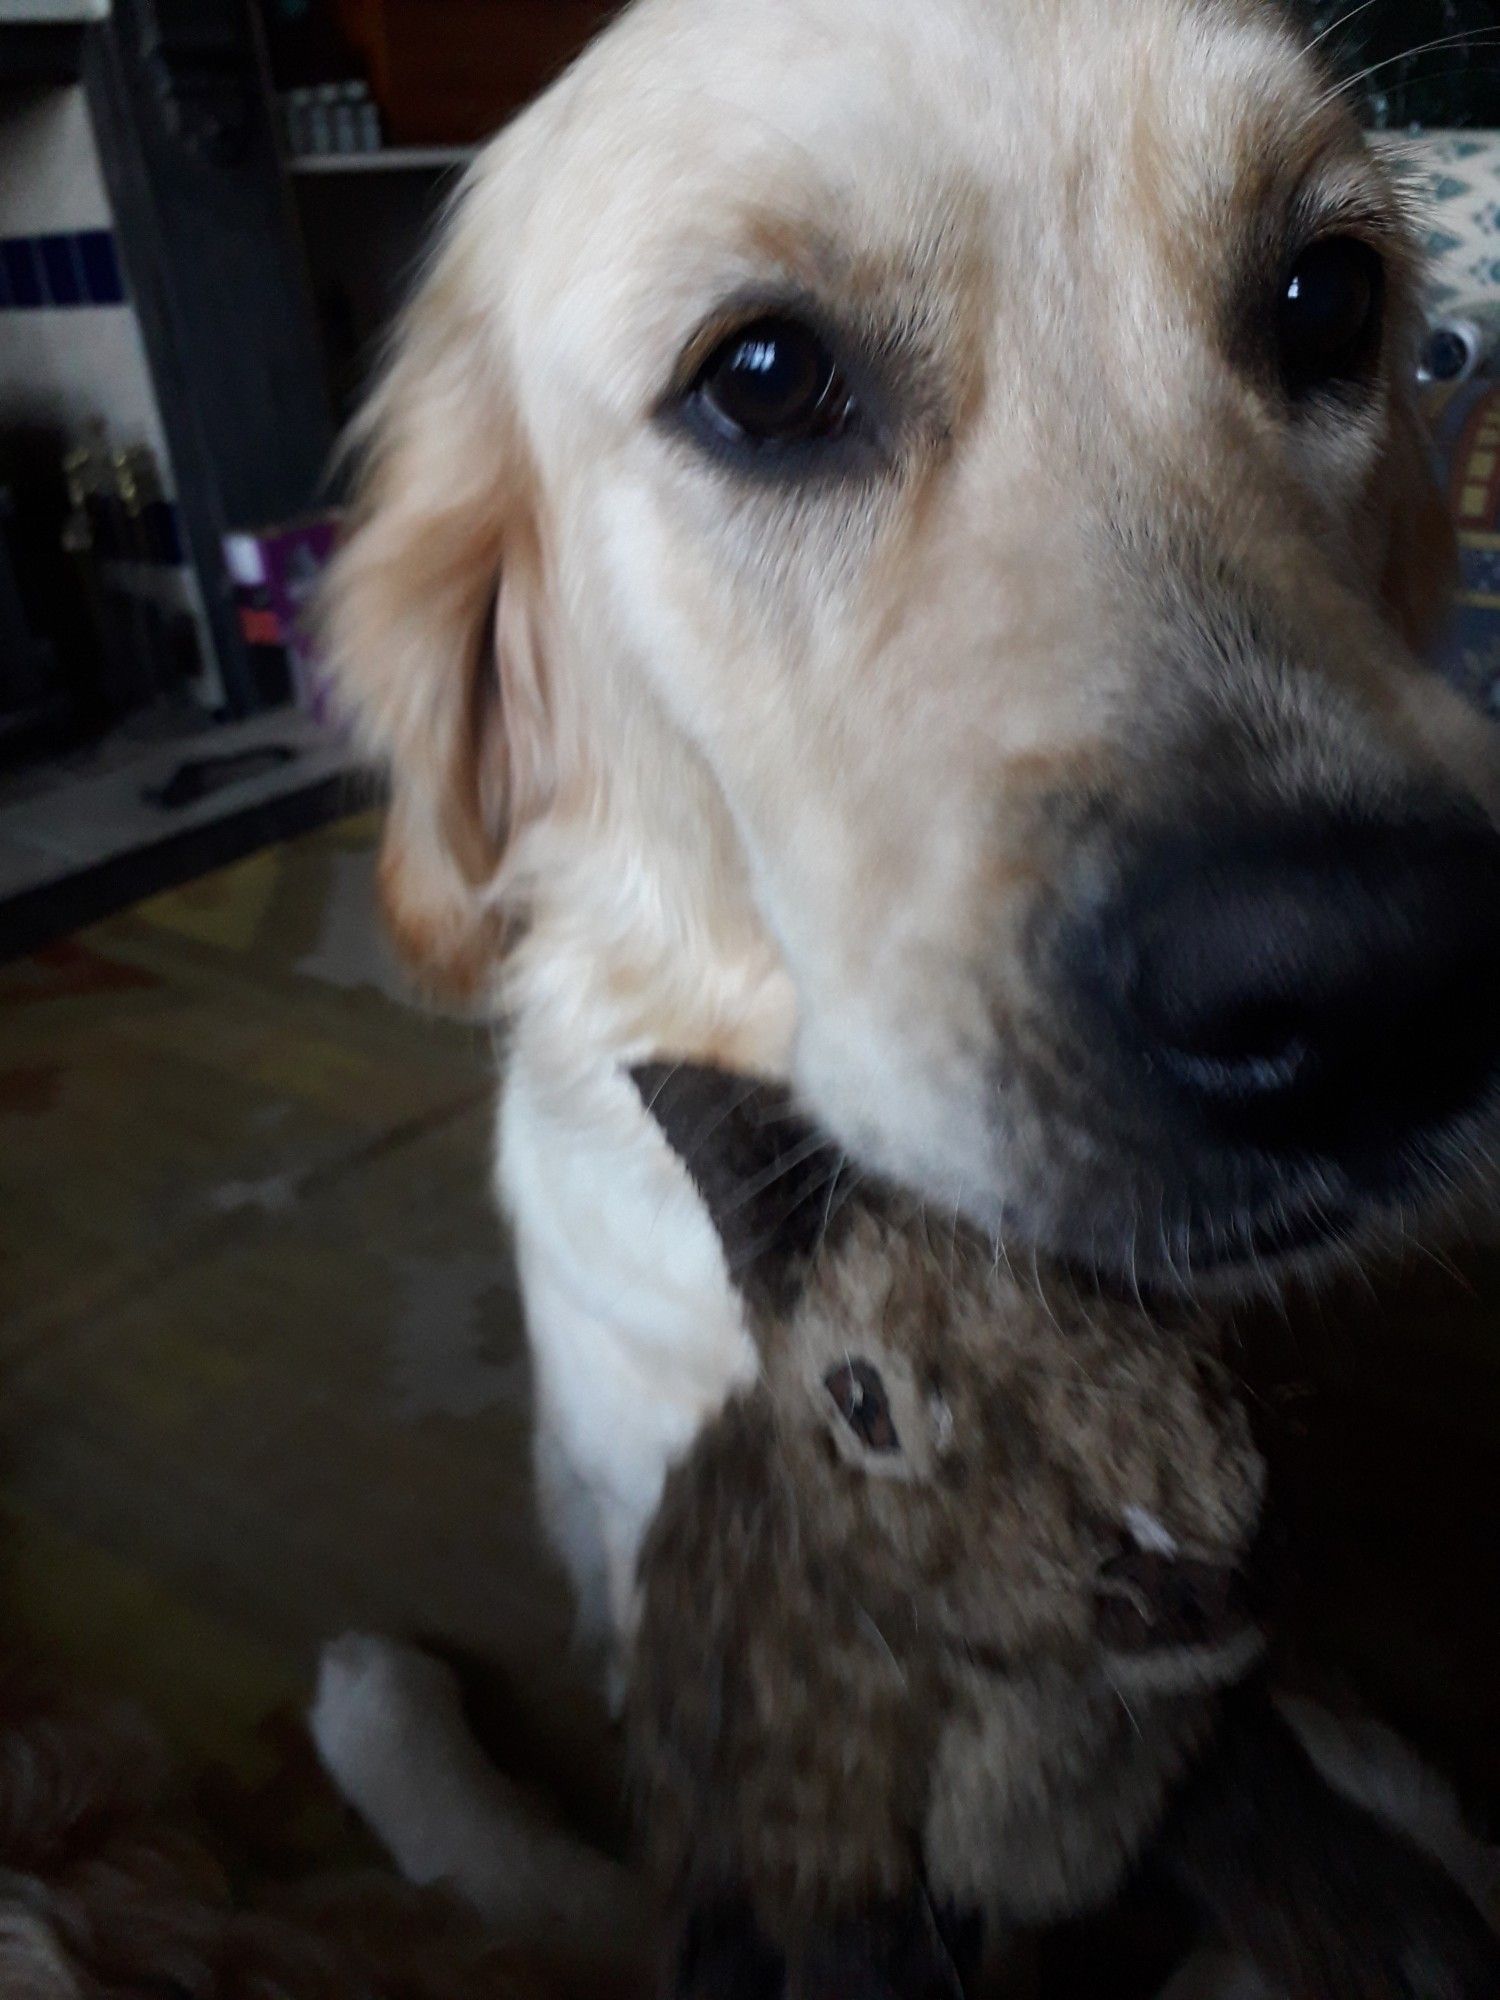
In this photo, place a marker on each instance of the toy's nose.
(1147, 1601)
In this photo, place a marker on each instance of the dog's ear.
(434, 613)
(774, 1186)
(1421, 557)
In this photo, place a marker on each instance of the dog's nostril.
(1312, 987)
(1253, 1052)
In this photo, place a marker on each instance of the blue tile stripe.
(103, 280)
(23, 270)
(61, 276)
(68, 269)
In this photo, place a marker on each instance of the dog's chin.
(1128, 1205)
(1136, 1201)
(1238, 1252)
(1222, 1271)
(1179, 1244)
(1237, 1261)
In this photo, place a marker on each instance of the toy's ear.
(773, 1184)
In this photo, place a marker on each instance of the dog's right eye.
(773, 382)
(1329, 321)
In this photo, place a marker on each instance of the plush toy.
(947, 1620)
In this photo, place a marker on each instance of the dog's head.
(928, 499)
(981, 1460)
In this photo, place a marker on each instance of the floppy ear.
(1421, 562)
(433, 611)
(773, 1184)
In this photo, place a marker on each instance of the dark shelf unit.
(1411, 84)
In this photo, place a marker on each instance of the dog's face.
(953, 468)
(987, 1468)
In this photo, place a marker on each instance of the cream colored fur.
(689, 764)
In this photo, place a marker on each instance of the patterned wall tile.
(1457, 175)
(1466, 427)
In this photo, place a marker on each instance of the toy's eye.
(859, 1395)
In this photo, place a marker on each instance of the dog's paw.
(376, 1701)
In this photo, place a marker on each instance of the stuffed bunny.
(937, 1619)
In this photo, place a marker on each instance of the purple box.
(285, 567)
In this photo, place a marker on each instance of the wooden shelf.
(389, 160)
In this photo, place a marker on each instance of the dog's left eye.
(773, 382)
(1329, 317)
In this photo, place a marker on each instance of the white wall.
(53, 10)
(64, 367)
(66, 364)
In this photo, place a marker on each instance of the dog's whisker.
(669, 1076)
(1482, 38)
(782, 1169)
(1337, 26)
(834, 1202)
(698, 1144)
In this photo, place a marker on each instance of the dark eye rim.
(1352, 376)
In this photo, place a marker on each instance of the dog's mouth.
(1164, 1283)
(1139, 1194)
(1266, 1243)
(1244, 1226)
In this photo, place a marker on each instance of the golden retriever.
(894, 549)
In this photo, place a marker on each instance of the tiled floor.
(263, 1369)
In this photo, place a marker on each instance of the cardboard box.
(277, 573)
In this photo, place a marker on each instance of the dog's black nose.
(1318, 988)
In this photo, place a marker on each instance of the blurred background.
(209, 210)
